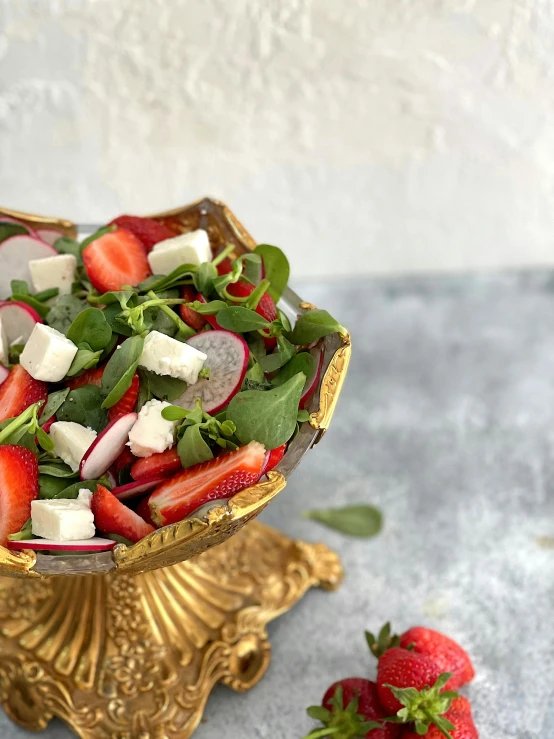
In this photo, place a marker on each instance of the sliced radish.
(227, 361)
(134, 489)
(96, 544)
(311, 382)
(15, 254)
(49, 235)
(18, 320)
(3, 373)
(107, 447)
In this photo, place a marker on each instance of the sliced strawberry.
(128, 401)
(18, 487)
(162, 464)
(118, 258)
(266, 307)
(224, 267)
(89, 377)
(273, 457)
(125, 460)
(113, 517)
(143, 510)
(147, 231)
(191, 317)
(182, 494)
(19, 391)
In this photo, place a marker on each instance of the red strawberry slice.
(113, 517)
(118, 258)
(128, 402)
(191, 317)
(460, 715)
(89, 377)
(447, 654)
(224, 267)
(125, 459)
(182, 494)
(162, 464)
(18, 391)
(266, 307)
(18, 487)
(143, 510)
(147, 231)
(273, 457)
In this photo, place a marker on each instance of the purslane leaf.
(313, 325)
(240, 320)
(354, 520)
(277, 268)
(120, 369)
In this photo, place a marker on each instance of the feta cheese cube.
(166, 356)
(62, 519)
(151, 433)
(71, 441)
(4, 349)
(189, 248)
(50, 272)
(47, 354)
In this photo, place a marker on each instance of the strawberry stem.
(328, 731)
(223, 254)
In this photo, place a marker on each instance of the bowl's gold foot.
(135, 657)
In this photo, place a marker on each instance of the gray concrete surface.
(447, 423)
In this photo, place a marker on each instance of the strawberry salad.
(143, 377)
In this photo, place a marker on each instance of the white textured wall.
(374, 135)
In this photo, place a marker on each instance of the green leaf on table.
(83, 360)
(120, 369)
(64, 311)
(192, 447)
(66, 245)
(90, 326)
(314, 325)
(163, 387)
(354, 520)
(240, 320)
(302, 362)
(277, 268)
(83, 405)
(285, 352)
(267, 416)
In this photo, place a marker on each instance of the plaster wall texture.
(368, 136)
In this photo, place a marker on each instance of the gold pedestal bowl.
(128, 644)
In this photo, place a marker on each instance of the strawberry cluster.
(418, 674)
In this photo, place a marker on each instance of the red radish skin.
(312, 381)
(18, 320)
(15, 254)
(47, 425)
(95, 544)
(134, 489)
(107, 447)
(227, 361)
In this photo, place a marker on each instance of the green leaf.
(96, 235)
(40, 308)
(164, 387)
(64, 311)
(275, 361)
(313, 325)
(44, 440)
(10, 426)
(20, 286)
(239, 319)
(72, 491)
(267, 416)
(302, 362)
(83, 405)
(65, 245)
(355, 520)
(208, 309)
(45, 295)
(57, 470)
(84, 359)
(204, 278)
(111, 313)
(277, 268)
(114, 297)
(14, 353)
(90, 326)
(120, 369)
(174, 413)
(26, 532)
(119, 539)
(302, 416)
(192, 448)
(256, 346)
(252, 267)
(50, 487)
(181, 275)
(8, 229)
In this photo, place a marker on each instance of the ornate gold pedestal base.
(135, 657)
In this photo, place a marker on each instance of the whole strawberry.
(459, 715)
(350, 710)
(402, 668)
(445, 653)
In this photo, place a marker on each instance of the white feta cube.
(189, 248)
(51, 272)
(71, 441)
(166, 356)
(62, 519)
(151, 433)
(47, 354)
(4, 348)
(85, 497)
